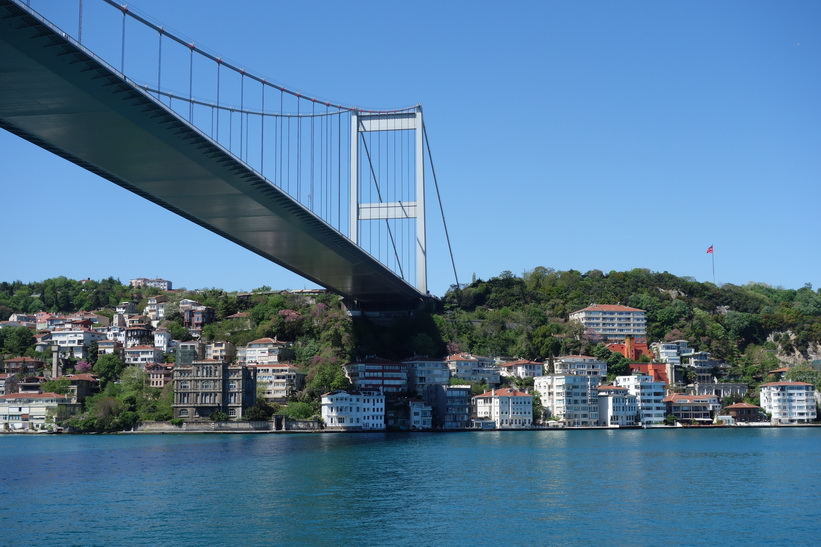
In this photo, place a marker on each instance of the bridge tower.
(362, 122)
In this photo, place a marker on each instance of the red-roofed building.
(27, 365)
(699, 408)
(631, 350)
(612, 322)
(21, 411)
(508, 408)
(657, 371)
(745, 412)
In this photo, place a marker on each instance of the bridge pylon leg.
(411, 120)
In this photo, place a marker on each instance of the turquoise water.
(640, 487)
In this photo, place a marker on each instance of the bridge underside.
(56, 95)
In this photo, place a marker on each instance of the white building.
(264, 351)
(580, 365)
(162, 340)
(155, 310)
(570, 398)
(507, 408)
(473, 369)
(649, 396)
(419, 415)
(423, 372)
(142, 355)
(612, 322)
(278, 381)
(521, 369)
(617, 407)
(75, 342)
(354, 410)
(789, 402)
(20, 411)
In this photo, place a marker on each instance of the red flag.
(710, 250)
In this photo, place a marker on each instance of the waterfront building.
(206, 386)
(570, 398)
(354, 410)
(423, 372)
(278, 381)
(580, 365)
(508, 408)
(473, 369)
(408, 414)
(699, 408)
(612, 322)
(265, 351)
(649, 396)
(390, 377)
(451, 405)
(21, 411)
(745, 412)
(719, 389)
(617, 407)
(789, 402)
(521, 369)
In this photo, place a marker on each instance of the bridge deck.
(56, 95)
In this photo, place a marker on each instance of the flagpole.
(713, 256)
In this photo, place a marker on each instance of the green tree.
(108, 368)
(61, 386)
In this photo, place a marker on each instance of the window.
(183, 413)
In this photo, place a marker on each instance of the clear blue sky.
(572, 135)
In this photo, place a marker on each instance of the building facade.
(617, 407)
(206, 386)
(508, 408)
(649, 396)
(789, 402)
(612, 322)
(570, 398)
(354, 410)
(390, 377)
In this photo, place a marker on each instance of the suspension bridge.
(334, 193)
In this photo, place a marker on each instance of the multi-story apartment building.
(521, 369)
(142, 355)
(451, 405)
(473, 369)
(157, 283)
(580, 365)
(265, 351)
(221, 351)
(162, 339)
(158, 374)
(570, 398)
(278, 381)
(508, 408)
(155, 309)
(20, 411)
(196, 317)
(649, 396)
(612, 322)
(789, 402)
(354, 410)
(699, 408)
(188, 352)
(391, 377)
(617, 407)
(75, 342)
(423, 372)
(206, 386)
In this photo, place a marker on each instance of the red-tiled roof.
(520, 362)
(742, 405)
(611, 388)
(786, 384)
(680, 397)
(32, 396)
(462, 357)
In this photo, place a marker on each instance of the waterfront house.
(32, 411)
(206, 386)
(451, 405)
(617, 407)
(789, 402)
(570, 398)
(745, 412)
(649, 396)
(687, 408)
(354, 410)
(508, 408)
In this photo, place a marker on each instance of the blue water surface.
(638, 487)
